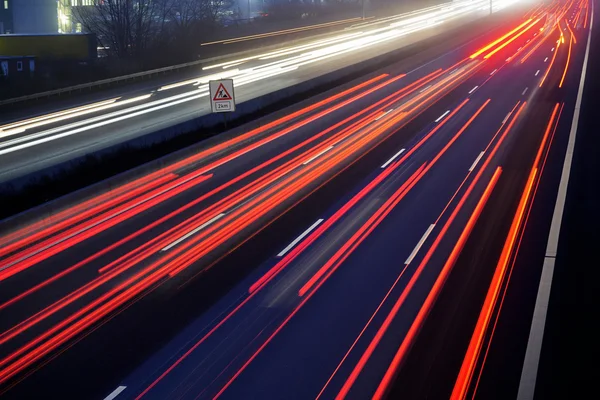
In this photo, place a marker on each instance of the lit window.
(78, 28)
(19, 65)
(6, 4)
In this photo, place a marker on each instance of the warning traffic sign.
(222, 95)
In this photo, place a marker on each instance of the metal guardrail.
(94, 84)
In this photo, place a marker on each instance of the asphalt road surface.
(332, 252)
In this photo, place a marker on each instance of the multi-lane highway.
(304, 258)
(38, 138)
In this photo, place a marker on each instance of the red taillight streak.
(80, 216)
(95, 221)
(256, 145)
(499, 40)
(281, 326)
(515, 37)
(436, 289)
(577, 18)
(29, 229)
(533, 40)
(299, 124)
(293, 127)
(143, 230)
(254, 355)
(546, 134)
(586, 16)
(371, 348)
(194, 158)
(469, 174)
(365, 230)
(562, 80)
(472, 355)
(282, 264)
(22, 326)
(70, 331)
(95, 315)
(98, 224)
(143, 285)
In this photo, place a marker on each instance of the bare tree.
(126, 27)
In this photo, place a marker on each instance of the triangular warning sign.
(222, 94)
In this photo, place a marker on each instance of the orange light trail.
(363, 232)
(562, 80)
(494, 43)
(497, 49)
